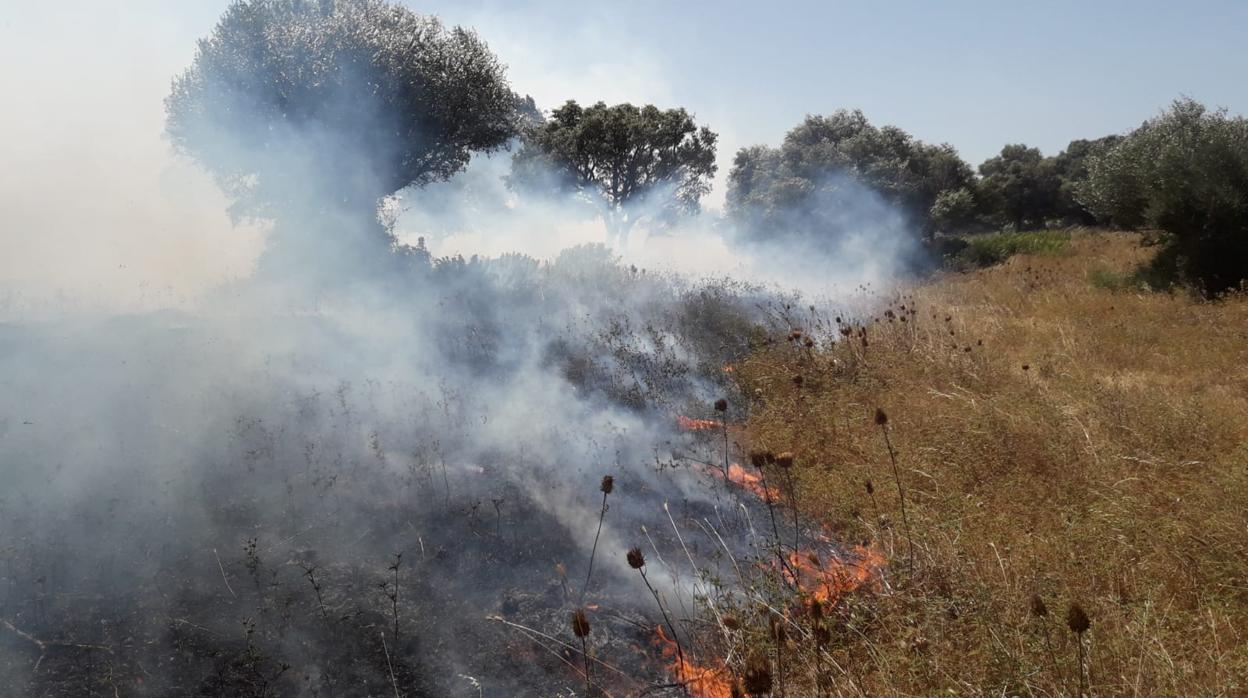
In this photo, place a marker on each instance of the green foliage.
(767, 184)
(290, 103)
(1020, 186)
(1185, 173)
(954, 209)
(987, 250)
(624, 155)
(1072, 169)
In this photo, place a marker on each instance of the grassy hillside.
(1056, 436)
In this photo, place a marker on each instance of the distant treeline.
(302, 107)
(1183, 174)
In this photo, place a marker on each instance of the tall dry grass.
(1054, 438)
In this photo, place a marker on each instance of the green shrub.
(1185, 173)
(987, 250)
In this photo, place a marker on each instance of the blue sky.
(973, 73)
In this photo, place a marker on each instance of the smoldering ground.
(326, 477)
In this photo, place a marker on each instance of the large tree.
(1072, 170)
(1185, 173)
(307, 110)
(1020, 186)
(633, 160)
(795, 188)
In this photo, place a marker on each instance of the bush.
(1185, 173)
(987, 250)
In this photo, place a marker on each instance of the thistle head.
(580, 623)
(608, 484)
(1077, 619)
(635, 559)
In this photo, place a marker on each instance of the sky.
(83, 83)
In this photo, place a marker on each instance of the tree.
(631, 159)
(314, 110)
(1185, 173)
(819, 156)
(1020, 186)
(1071, 166)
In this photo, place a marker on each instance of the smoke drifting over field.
(214, 453)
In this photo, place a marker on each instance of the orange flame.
(750, 481)
(729, 368)
(703, 682)
(826, 581)
(691, 424)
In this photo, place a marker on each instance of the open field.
(1055, 437)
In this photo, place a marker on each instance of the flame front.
(828, 581)
(691, 424)
(702, 682)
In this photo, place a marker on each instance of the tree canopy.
(823, 152)
(632, 159)
(1020, 185)
(1185, 173)
(298, 104)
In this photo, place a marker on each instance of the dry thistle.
(580, 623)
(635, 559)
(798, 380)
(870, 488)
(608, 484)
(757, 678)
(721, 405)
(785, 459)
(881, 418)
(1077, 619)
(1078, 622)
(758, 459)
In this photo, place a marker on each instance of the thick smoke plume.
(319, 477)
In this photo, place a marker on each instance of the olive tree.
(1185, 173)
(308, 110)
(632, 160)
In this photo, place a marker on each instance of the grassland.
(1057, 436)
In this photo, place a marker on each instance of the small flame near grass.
(827, 580)
(691, 424)
(702, 681)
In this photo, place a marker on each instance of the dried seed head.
(561, 570)
(785, 460)
(870, 487)
(730, 621)
(809, 343)
(580, 623)
(608, 484)
(758, 459)
(816, 609)
(721, 405)
(798, 380)
(1038, 609)
(635, 559)
(757, 678)
(1077, 619)
(769, 457)
(880, 418)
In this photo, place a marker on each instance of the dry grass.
(1111, 472)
